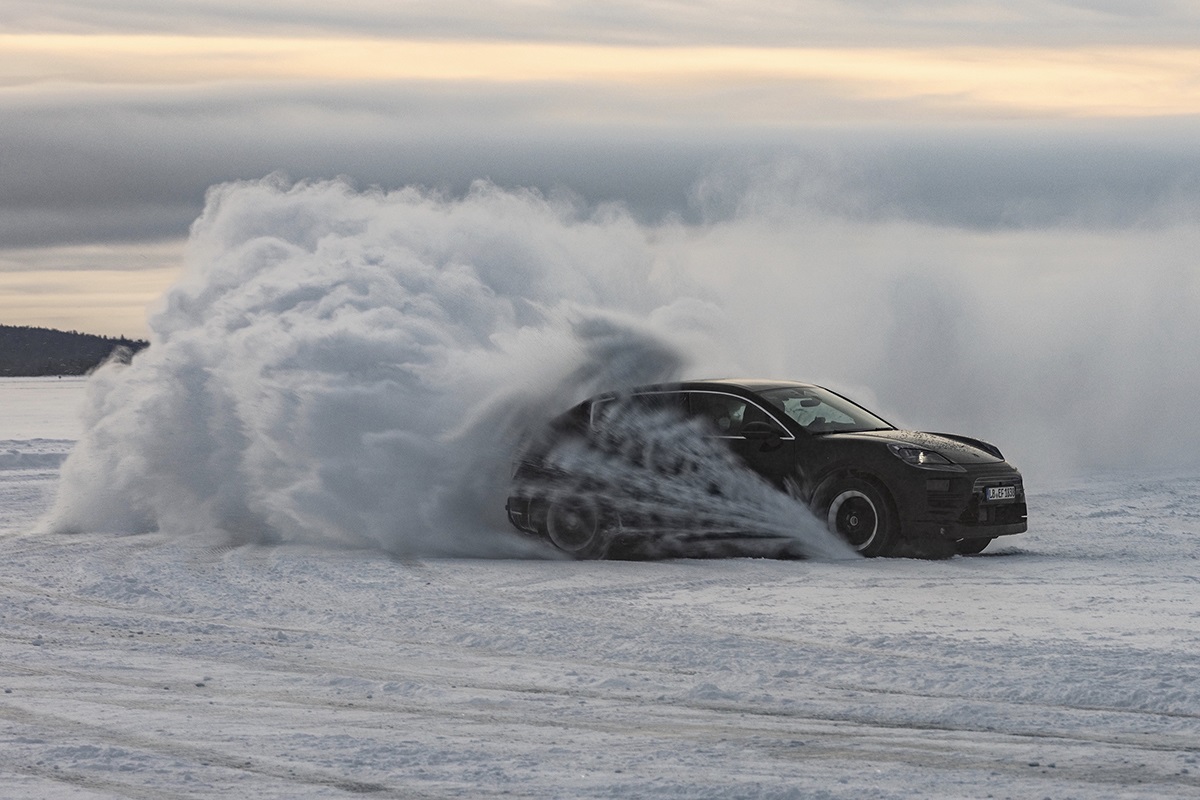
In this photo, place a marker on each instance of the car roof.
(747, 384)
(754, 384)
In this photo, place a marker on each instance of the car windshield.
(818, 410)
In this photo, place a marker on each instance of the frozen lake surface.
(1063, 663)
(41, 408)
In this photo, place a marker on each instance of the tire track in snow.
(74, 729)
(824, 738)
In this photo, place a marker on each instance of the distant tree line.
(29, 352)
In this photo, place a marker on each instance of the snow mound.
(33, 454)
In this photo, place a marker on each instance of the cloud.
(1097, 176)
(128, 165)
(809, 22)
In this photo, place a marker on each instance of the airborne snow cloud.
(357, 367)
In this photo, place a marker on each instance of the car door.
(726, 417)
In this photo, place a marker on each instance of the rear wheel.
(574, 525)
(859, 512)
(969, 547)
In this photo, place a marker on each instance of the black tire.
(969, 547)
(575, 525)
(861, 514)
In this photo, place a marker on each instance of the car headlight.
(924, 459)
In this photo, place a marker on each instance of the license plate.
(1001, 493)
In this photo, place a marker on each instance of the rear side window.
(650, 403)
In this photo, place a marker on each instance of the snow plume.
(352, 367)
(360, 368)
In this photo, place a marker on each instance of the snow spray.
(661, 484)
(360, 368)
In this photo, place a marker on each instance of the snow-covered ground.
(1063, 663)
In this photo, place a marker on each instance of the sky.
(964, 117)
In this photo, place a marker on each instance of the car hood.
(958, 449)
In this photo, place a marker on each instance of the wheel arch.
(828, 482)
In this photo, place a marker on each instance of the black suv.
(874, 485)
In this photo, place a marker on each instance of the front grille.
(981, 512)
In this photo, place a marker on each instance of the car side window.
(725, 414)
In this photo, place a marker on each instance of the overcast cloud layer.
(126, 157)
(759, 22)
(131, 165)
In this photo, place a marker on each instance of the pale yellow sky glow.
(1074, 82)
(102, 288)
(106, 301)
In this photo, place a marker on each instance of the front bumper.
(934, 529)
(957, 507)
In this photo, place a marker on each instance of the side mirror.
(760, 430)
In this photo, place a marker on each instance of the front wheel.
(860, 513)
(575, 526)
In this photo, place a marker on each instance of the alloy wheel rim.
(571, 526)
(852, 516)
